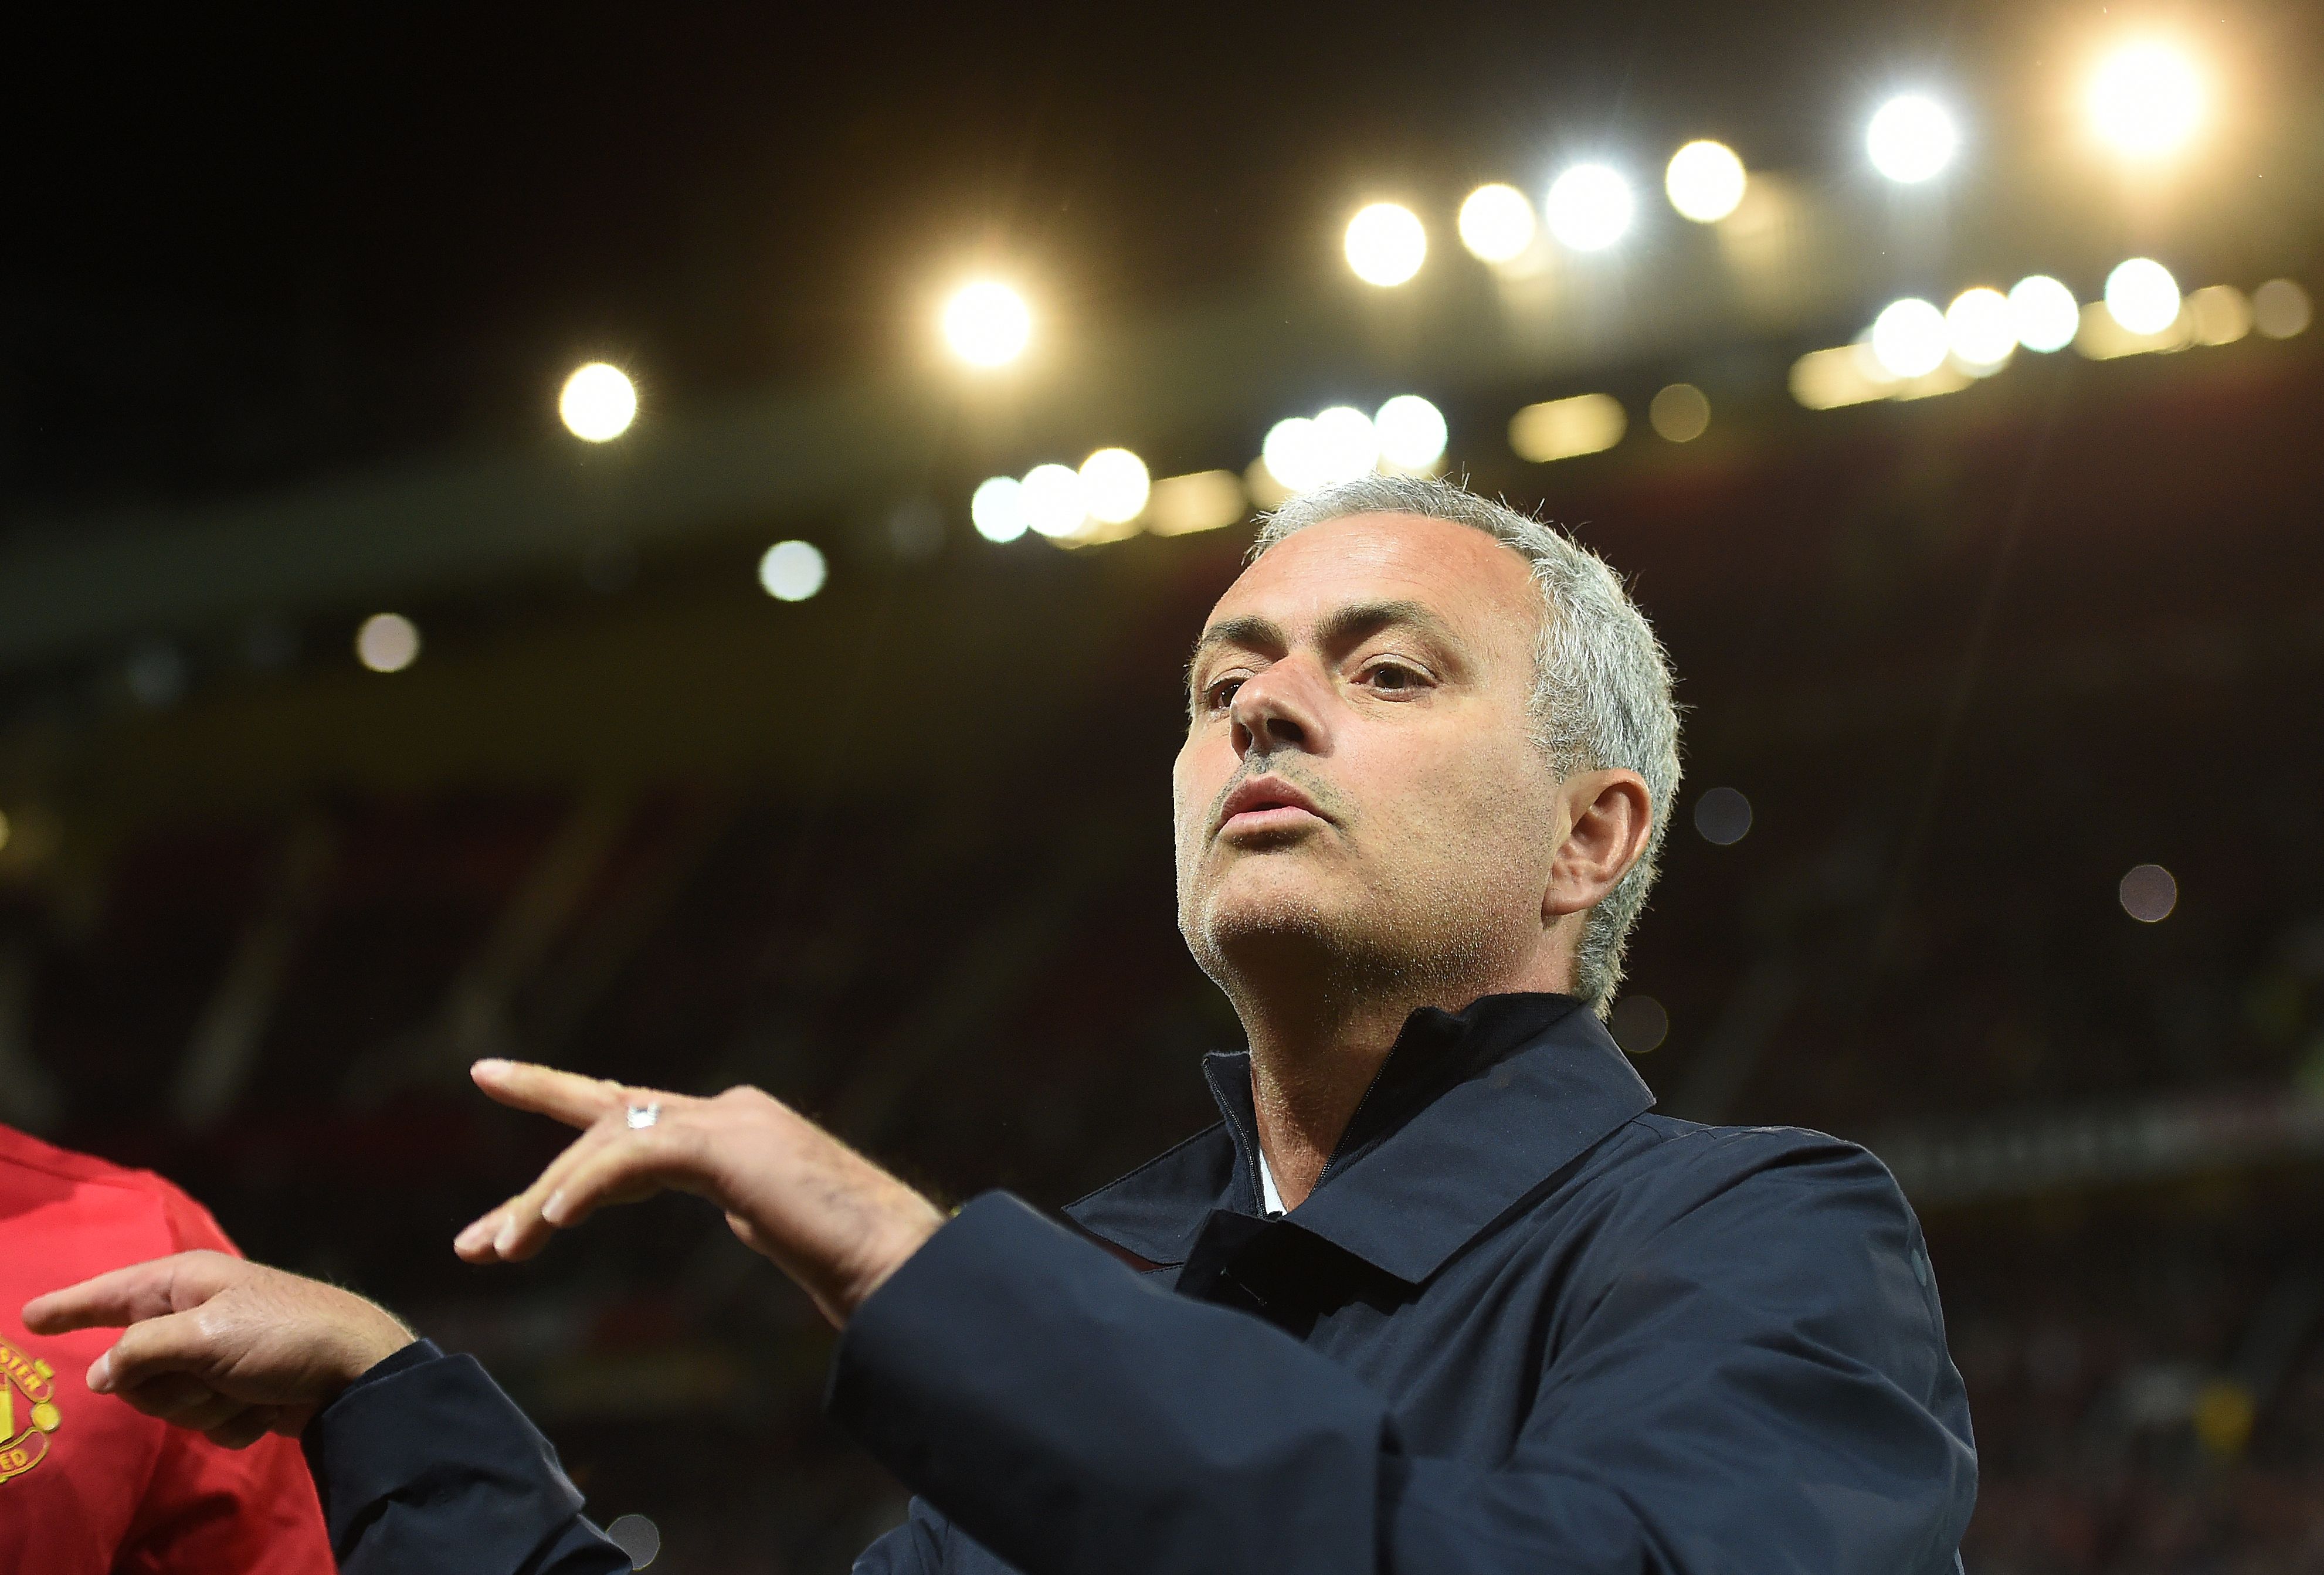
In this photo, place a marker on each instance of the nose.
(1279, 708)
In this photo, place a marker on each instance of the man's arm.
(1761, 1386)
(421, 1461)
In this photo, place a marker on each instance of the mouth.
(1268, 805)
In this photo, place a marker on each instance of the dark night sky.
(246, 251)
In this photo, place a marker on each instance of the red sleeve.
(209, 1510)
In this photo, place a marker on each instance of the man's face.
(1358, 786)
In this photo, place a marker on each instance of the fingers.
(613, 1163)
(132, 1295)
(568, 1096)
(175, 1343)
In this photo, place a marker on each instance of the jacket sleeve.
(1757, 1383)
(424, 1464)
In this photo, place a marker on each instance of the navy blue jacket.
(1520, 1325)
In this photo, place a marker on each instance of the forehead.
(1474, 585)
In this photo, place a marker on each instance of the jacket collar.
(1470, 1112)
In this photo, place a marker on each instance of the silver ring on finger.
(643, 1115)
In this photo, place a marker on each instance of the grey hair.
(1602, 694)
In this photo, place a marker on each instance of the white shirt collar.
(1269, 1199)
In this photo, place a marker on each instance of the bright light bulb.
(1496, 223)
(1053, 501)
(1911, 139)
(2146, 99)
(2142, 296)
(1705, 182)
(1115, 486)
(1908, 338)
(1386, 244)
(1346, 447)
(1290, 455)
(598, 402)
(388, 643)
(1411, 432)
(2043, 314)
(987, 324)
(1979, 329)
(792, 571)
(997, 509)
(1589, 207)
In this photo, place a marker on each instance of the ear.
(1609, 816)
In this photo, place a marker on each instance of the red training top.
(88, 1486)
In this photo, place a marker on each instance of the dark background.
(900, 853)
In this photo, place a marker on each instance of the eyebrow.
(1341, 627)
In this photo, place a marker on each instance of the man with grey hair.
(1438, 1294)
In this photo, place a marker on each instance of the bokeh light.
(2146, 99)
(1980, 329)
(1411, 432)
(387, 642)
(1051, 497)
(1724, 816)
(2221, 314)
(987, 322)
(1345, 445)
(2281, 309)
(1705, 182)
(997, 509)
(1589, 207)
(1568, 428)
(1386, 244)
(1496, 223)
(1638, 1023)
(2148, 893)
(2142, 296)
(2042, 313)
(1911, 139)
(637, 1537)
(1909, 338)
(598, 402)
(1115, 486)
(792, 571)
(1679, 413)
(1290, 454)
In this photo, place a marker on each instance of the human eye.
(1392, 676)
(1220, 691)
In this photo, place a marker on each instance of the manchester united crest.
(28, 1411)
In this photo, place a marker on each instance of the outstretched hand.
(829, 1218)
(228, 1349)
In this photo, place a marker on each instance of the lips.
(1263, 802)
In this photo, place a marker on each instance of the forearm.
(425, 1464)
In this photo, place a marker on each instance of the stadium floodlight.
(792, 571)
(1705, 182)
(598, 402)
(1496, 223)
(387, 642)
(1979, 329)
(1053, 501)
(1386, 244)
(2146, 99)
(1346, 447)
(1589, 207)
(1911, 139)
(1289, 455)
(997, 509)
(987, 322)
(1115, 486)
(2042, 313)
(1909, 338)
(2142, 296)
(1411, 432)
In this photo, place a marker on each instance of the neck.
(1315, 1051)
